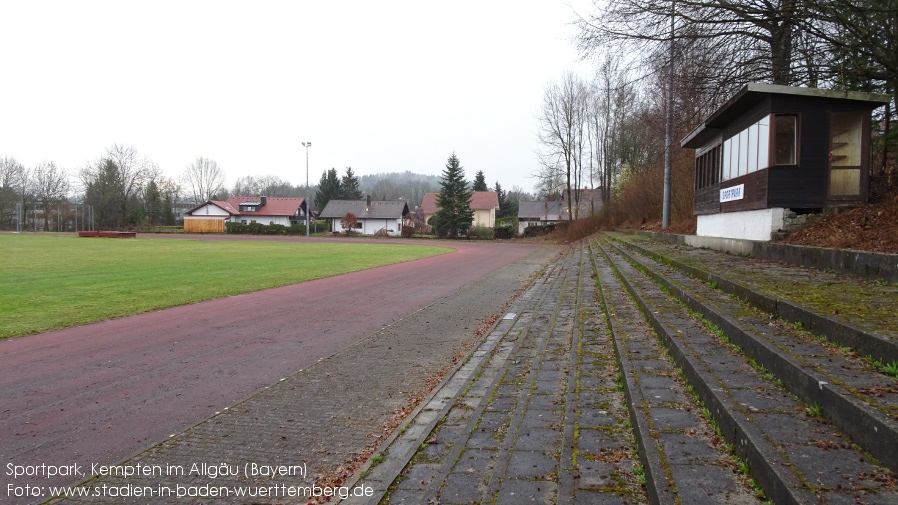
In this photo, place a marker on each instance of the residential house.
(540, 213)
(429, 206)
(484, 203)
(372, 216)
(590, 202)
(211, 216)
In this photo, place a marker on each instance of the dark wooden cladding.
(707, 200)
(755, 192)
(751, 116)
(797, 189)
(804, 185)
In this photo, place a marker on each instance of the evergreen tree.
(329, 188)
(454, 214)
(152, 201)
(480, 182)
(349, 186)
(503, 204)
(168, 210)
(103, 192)
(511, 204)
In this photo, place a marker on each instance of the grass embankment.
(49, 282)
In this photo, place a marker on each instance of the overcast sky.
(379, 86)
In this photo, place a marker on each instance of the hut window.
(707, 167)
(785, 140)
(746, 151)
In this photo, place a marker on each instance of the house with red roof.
(211, 216)
(484, 203)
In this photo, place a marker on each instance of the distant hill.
(406, 186)
(399, 178)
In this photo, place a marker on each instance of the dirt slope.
(872, 227)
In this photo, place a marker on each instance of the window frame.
(708, 166)
(796, 142)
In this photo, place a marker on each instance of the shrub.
(505, 231)
(164, 229)
(349, 222)
(274, 229)
(538, 231)
(481, 233)
(570, 231)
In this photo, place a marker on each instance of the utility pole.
(307, 145)
(668, 125)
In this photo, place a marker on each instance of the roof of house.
(753, 93)
(394, 209)
(480, 200)
(484, 200)
(547, 211)
(225, 206)
(587, 194)
(274, 206)
(429, 203)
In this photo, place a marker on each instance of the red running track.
(102, 392)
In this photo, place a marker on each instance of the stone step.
(864, 337)
(685, 459)
(858, 400)
(790, 450)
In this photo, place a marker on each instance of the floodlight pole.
(307, 145)
(668, 126)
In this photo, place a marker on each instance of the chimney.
(262, 201)
(367, 203)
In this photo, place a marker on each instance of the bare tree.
(114, 183)
(50, 185)
(13, 189)
(272, 185)
(561, 127)
(268, 185)
(203, 178)
(550, 182)
(134, 169)
(757, 36)
(416, 191)
(385, 189)
(246, 186)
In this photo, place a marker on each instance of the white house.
(372, 216)
(540, 213)
(211, 216)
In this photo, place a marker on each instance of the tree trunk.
(781, 36)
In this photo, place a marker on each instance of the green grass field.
(49, 282)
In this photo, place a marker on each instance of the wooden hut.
(772, 152)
